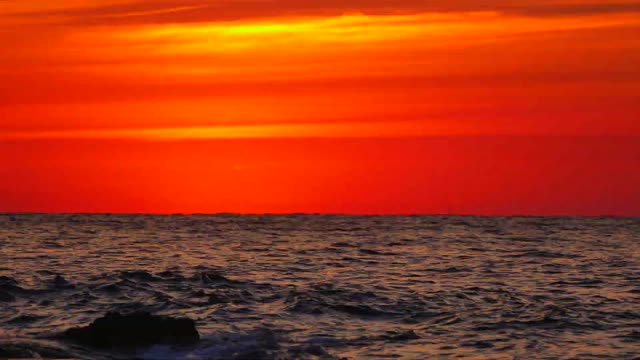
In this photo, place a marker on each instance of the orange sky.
(358, 106)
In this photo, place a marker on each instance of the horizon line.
(274, 214)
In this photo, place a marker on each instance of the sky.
(320, 106)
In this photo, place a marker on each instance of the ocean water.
(328, 287)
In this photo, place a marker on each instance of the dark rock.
(135, 330)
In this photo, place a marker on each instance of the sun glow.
(368, 77)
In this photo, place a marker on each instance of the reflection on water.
(329, 286)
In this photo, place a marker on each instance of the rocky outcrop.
(134, 330)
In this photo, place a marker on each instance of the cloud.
(186, 11)
(578, 9)
(179, 63)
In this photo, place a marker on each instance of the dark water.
(289, 287)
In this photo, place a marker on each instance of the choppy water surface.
(329, 286)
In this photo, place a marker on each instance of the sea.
(327, 286)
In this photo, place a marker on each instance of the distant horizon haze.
(464, 175)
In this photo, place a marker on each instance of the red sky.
(356, 106)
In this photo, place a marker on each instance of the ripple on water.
(325, 287)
